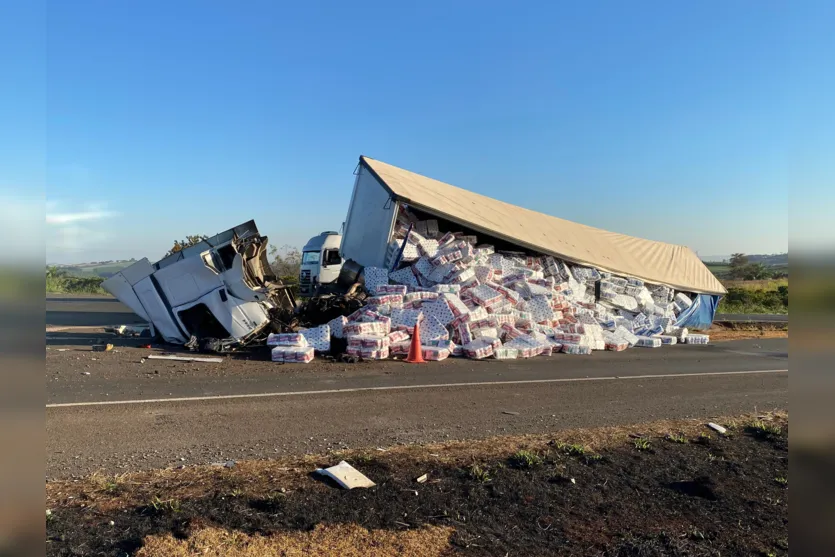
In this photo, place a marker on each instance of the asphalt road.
(132, 415)
(69, 310)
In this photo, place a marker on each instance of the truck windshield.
(310, 257)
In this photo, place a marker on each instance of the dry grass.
(345, 540)
(260, 478)
(768, 284)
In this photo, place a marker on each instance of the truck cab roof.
(327, 239)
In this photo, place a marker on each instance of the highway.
(86, 310)
(128, 415)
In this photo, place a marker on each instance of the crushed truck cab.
(221, 288)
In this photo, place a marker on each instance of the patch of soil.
(746, 331)
(718, 496)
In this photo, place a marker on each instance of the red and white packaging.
(367, 328)
(286, 339)
(398, 336)
(369, 354)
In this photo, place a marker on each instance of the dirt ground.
(747, 331)
(666, 488)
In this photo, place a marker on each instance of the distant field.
(722, 270)
(96, 270)
(769, 284)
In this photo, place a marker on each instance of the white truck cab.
(321, 262)
(221, 288)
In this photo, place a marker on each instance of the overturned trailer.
(374, 236)
(221, 290)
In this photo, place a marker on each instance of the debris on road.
(422, 478)
(509, 413)
(102, 347)
(185, 359)
(718, 428)
(346, 476)
(129, 330)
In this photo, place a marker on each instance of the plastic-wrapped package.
(456, 350)
(478, 349)
(318, 337)
(434, 353)
(428, 248)
(455, 304)
(370, 315)
(465, 334)
(624, 334)
(540, 309)
(405, 319)
(576, 349)
(440, 310)
(404, 276)
(423, 271)
(504, 353)
(648, 342)
(375, 276)
(371, 354)
(336, 325)
(485, 296)
(430, 328)
(400, 347)
(384, 299)
(616, 345)
(292, 354)
(383, 289)
(447, 288)
(510, 332)
(461, 276)
(368, 328)
(698, 339)
(398, 336)
(585, 274)
(681, 333)
(682, 301)
(490, 332)
(372, 342)
(666, 339)
(286, 339)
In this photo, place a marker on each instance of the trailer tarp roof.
(656, 262)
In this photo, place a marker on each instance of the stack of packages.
(290, 348)
(473, 301)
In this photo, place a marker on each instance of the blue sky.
(142, 122)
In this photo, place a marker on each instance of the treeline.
(59, 281)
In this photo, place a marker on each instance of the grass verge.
(622, 502)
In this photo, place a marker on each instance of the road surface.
(128, 414)
(80, 310)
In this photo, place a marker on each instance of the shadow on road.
(60, 338)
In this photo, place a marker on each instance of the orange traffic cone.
(415, 350)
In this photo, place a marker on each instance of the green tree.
(738, 263)
(755, 271)
(188, 242)
(287, 262)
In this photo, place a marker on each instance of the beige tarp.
(656, 262)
